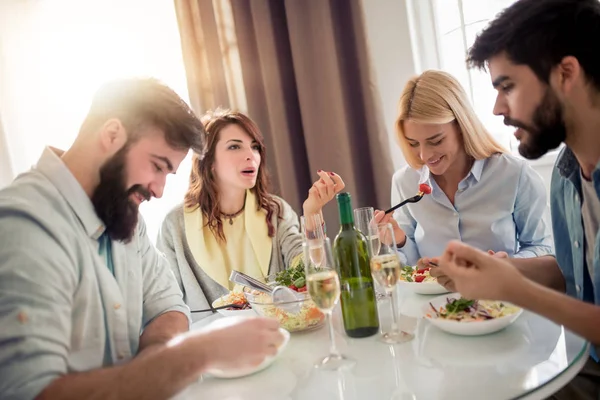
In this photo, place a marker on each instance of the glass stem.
(394, 305)
(332, 349)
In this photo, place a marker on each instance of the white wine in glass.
(374, 239)
(324, 289)
(385, 269)
(316, 251)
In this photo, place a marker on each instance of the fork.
(213, 309)
(413, 199)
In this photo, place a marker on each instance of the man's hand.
(245, 342)
(437, 272)
(478, 275)
(498, 254)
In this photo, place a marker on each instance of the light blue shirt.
(61, 308)
(500, 205)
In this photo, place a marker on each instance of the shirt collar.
(567, 164)
(53, 168)
(477, 169)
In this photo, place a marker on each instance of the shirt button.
(576, 244)
(578, 288)
(576, 197)
(117, 306)
(120, 356)
(22, 317)
(456, 214)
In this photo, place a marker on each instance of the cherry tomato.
(419, 278)
(302, 289)
(293, 287)
(423, 270)
(425, 188)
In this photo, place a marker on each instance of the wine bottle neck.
(345, 209)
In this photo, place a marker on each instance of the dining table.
(530, 359)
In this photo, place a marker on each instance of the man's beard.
(112, 200)
(548, 130)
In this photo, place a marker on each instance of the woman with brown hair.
(229, 220)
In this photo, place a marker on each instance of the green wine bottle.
(359, 307)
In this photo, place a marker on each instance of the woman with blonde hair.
(229, 219)
(481, 194)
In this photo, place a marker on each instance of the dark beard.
(548, 130)
(111, 199)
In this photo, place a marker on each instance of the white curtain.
(54, 54)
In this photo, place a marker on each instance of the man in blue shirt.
(544, 60)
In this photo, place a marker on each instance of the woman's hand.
(322, 192)
(383, 218)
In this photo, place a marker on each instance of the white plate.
(473, 328)
(472, 351)
(244, 371)
(233, 313)
(424, 287)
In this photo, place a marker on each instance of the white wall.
(392, 52)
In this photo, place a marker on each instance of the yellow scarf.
(212, 263)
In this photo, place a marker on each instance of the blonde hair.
(436, 97)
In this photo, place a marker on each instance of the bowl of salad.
(294, 316)
(455, 314)
(419, 280)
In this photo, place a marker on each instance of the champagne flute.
(364, 219)
(313, 235)
(385, 268)
(324, 289)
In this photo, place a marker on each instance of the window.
(54, 56)
(446, 29)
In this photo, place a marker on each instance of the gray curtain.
(307, 82)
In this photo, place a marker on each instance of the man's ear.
(112, 136)
(567, 74)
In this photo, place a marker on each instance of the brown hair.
(436, 97)
(139, 102)
(203, 191)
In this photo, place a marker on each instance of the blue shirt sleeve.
(531, 216)
(409, 253)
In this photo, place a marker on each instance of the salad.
(233, 298)
(465, 310)
(293, 277)
(415, 274)
(307, 317)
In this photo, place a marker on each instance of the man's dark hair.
(540, 33)
(141, 102)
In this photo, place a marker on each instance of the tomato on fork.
(425, 188)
